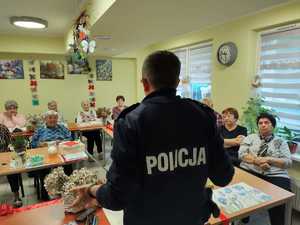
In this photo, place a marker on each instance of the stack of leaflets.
(234, 198)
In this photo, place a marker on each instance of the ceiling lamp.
(28, 22)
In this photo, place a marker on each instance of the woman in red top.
(119, 108)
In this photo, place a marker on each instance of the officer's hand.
(83, 197)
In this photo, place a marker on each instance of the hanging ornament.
(33, 83)
(91, 90)
(82, 44)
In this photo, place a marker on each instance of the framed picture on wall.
(50, 69)
(11, 69)
(104, 69)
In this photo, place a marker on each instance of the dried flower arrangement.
(103, 112)
(34, 121)
(57, 183)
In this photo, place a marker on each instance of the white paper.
(114, 217)
(239, 196)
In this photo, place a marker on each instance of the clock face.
(227, 53)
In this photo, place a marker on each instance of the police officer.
(164, 150)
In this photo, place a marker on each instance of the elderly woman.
(119, 108)
(14, 179)
(268, 157)
(86, 115)
(52, 105)
(10, 118)
(52, 131)
(232, 133)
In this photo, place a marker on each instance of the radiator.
(295, 185)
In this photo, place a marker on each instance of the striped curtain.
(280, 75)
(196, 68)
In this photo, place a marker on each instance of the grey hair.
(50, 113)
(10, 103)
(51, 102)
(84, 101)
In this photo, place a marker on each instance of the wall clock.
(227, 53)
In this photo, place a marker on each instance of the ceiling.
(133, 24)
(137, 23)
(60, 15)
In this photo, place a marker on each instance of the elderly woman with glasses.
(268, 157)
(10, 117)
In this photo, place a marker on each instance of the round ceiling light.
(28, 22)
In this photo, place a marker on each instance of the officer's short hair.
(162, 68)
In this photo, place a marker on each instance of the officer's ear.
(146, 85)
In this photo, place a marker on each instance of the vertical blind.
(196, 68)
(279, 69)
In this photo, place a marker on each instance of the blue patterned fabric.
(44, 134)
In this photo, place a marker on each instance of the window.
(195, 74)
(279, 68)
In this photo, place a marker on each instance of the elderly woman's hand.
(265, 166)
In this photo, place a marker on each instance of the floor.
(30, 193)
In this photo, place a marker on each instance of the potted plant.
(290, 137)
(103, 113)
(19, 145)
(252, 110)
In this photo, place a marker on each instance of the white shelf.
(296, 157)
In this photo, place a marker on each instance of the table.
(45, 215)
(49, 161)
(75, 127)
(72, 126)
(279, 196)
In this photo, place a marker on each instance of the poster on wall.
(104, 69)
(11, 69)
(50, 69)
(77, 67)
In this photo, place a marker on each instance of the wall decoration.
(104, 69)
(91, 90)
(256, 82)
(11, 69)
(77, 67)
(82, 44)
(33, 83)
(52, 69)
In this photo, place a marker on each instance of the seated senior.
(10, 117)
(267, 157)
(52, 131)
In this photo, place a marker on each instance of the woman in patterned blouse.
(14, 179)
(86, 115)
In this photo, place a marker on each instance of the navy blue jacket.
(164, 150)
